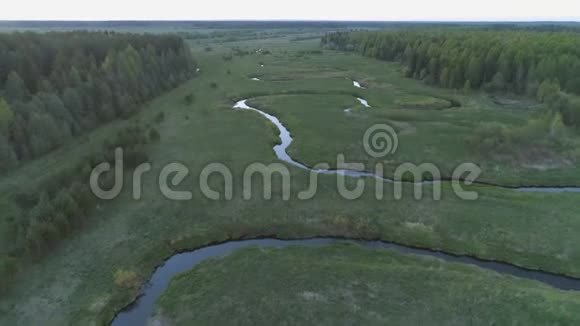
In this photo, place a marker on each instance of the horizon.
(563, 20)
(297, 10)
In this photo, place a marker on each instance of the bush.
(40, 235)
(63, 224)
(154, 135)
(533, 131)
(160, 117)
(548, 89)
(65, 204)
(83, 196)
(497, 84)
(135, 155)
(213, 85)
(569, 107)
(8, 267)
(65, 198)
(548, 130)
(126, 279)
(189, 98)
(490, 137)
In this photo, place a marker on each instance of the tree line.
(34, 223)
(55, 86)
(542, 64)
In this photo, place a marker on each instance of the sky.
(381, 10)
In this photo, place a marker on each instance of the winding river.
(286, 141)
(357, 84)
(364, 102)
(138, 312)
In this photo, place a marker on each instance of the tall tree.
(6, 116)
(7, 156)
(15, 89)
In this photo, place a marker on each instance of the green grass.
(350, 285)
(76, 283)
(439, 137)
(427, 133)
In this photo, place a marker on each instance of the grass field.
(308, 92)
(429, 131)
(349, 285)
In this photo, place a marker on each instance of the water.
(286, 141)
(548, 189)
(357, 84)
(138, 312)
(363, 102)
(285, 137)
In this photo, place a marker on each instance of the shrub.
(490, 136)
(8, 267)
(154, 135)
(126, 279)
(497, 84)
(43, 208)
(42, 221)
(65, 204)
(135, 155)
(40, 235)
(419, 102)
(160, 117)
(189, 98)
(570, 110)
(548, 89)
(547, 130)
(62, 223)
(213, 85)
(82, 195)
(533, 131)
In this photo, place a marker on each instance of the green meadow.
(309, 89)
(346, 284)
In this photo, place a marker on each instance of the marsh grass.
(346, 284)
(75, 283)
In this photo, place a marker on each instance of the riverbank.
(139, 311)
(347, 284)
(76, 283)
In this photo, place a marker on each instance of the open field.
(418, 112)
(308, 91)
(346, 284)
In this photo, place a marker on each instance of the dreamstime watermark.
(379, 141)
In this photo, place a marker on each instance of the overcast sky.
(290, 9)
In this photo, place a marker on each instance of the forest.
(499, 96)
(55, 86)
(545, 65)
